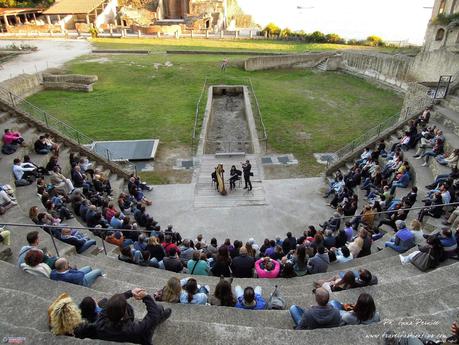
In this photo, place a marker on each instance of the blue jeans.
(395, 247)
(43, 152)
(336, 304)
(296, 313)
(395, 185)
(127, 242)
(90, 275)
(86, 246)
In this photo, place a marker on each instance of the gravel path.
(51, 53)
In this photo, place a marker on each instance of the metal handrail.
(265, 133)
(196, 116)
(372, 132)
(50, 121)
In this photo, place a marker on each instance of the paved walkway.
(291, 204)
(51, 53)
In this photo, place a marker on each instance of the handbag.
(422, 261)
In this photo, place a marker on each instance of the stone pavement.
(50, 54)
(291, 204)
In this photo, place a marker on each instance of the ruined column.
(222, 34)
(139, 33)
(111, 30)
(207, 33)
(191, 33)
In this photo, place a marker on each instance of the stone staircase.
(206, 194)
(322, 65)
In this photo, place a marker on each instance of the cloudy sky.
(394, 20)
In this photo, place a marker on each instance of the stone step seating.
(294, 292)
(288, 286)
(206, 194)
(34, 336)
(451, 101)
(38, 293)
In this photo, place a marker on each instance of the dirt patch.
(165, 160)
(228, 128)
(304, 136)
(99, 60)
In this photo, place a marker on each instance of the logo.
(13, 340)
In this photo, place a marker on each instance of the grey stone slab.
(266, 160)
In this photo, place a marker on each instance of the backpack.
(276, 301)
(8, 149)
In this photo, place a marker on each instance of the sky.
(393, 20)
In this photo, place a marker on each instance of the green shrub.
(445, 19)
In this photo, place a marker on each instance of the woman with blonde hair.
(64, 316)
(415, 227)
(171, 292)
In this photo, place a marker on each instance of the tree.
(317, 37)
(375, 41)
(334, 38)
(272, 30)
(286, 33)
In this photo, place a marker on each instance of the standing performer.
(220, 180)
(246, 168)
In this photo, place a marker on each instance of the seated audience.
(113, 325)
(319, 262)
(75, 238)
(90, 309)
(362, 313)
(432, 250)
(249, 298)
(323, 315)
(33, 240)
(171, 292)
(196, 266)
(33, 264)
(222, 263)
(243, 264)
(85, 276)
(193, 293)
(267, 268)
(172, 262)
(337, 283)
(64, 316)
(223, 295)
(403, 239)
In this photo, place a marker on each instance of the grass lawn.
(304, 111)
(214, 45)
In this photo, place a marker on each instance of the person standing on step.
(246, 168)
